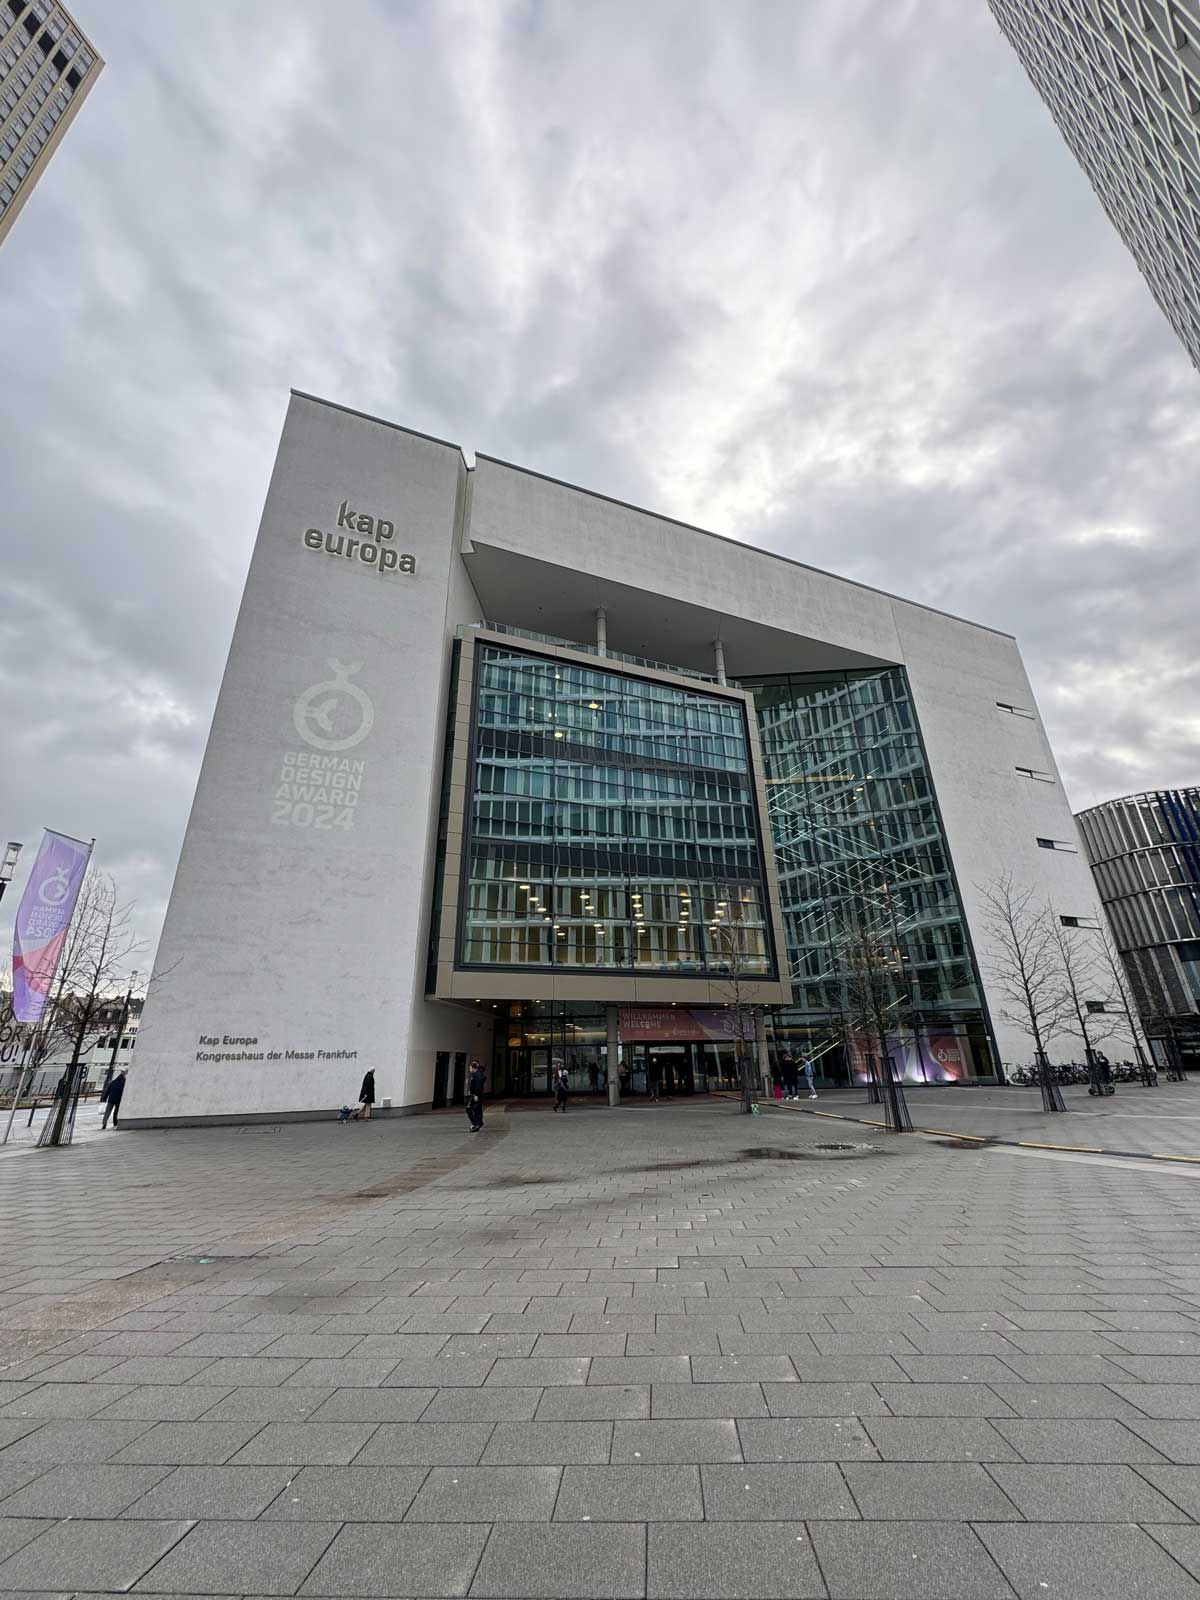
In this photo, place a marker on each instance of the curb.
(982, 1139)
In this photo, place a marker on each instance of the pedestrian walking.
(562, 1087)
(475, 1096)
(790, 1074)
(653, 1077)
(112, 1100)
(594, 1076)
(810, 1078)
(366, 1097)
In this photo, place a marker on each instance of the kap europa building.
(504, 768)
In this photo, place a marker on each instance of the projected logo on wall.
(321, 787)
(334, 714)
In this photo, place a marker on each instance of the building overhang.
(546, 598)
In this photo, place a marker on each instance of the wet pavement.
(664, 1352)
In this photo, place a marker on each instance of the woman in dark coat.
(366, 1096)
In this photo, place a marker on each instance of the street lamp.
(7, 866)
(112, 1064)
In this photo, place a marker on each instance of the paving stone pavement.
(668, 1352)
(1164, 1120)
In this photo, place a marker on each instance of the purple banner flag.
(43, 918)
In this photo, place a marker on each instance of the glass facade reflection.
(611, 824)
(855, 823)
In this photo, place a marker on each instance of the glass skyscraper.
(1122, 81)
(1144, 852)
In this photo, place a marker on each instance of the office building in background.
(47, 68)
(1144, 851)
(1122, 80)
(504, 768)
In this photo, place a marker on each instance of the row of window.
(675, 949)
(613, 861)
(576, 780)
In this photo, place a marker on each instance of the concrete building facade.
(1121, 78)
(47, 69)
(501, 768)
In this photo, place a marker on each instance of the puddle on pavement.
(775, 1153)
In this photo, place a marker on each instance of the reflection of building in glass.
(856, 824)
(1144, 851)
(676, 784)
(612, 822)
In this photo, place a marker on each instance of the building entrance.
(533, 1037)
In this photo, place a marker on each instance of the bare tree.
(1080, 977)
(730, 937)
(94, 962)
(1028, 969)
(876, 995)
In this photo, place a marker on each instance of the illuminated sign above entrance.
(364, 540)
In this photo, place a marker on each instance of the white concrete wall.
(308, 939)
(299, 937)
(958, 671)
(435, 1026)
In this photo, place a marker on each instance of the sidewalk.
(1162, 1122)
(682, 1354)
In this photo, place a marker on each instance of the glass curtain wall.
(611, 824)
(858, 838)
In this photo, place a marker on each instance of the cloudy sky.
(819, 275)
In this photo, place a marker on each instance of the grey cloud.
(821, 277)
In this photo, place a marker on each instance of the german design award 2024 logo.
(320, 787)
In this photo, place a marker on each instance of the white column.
(611, 1018)
(601, 631)
(719, 660)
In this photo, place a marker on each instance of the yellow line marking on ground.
(1194, 1160)
(947, 1133)
(1079, 1149)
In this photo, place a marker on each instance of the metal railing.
(592, 650)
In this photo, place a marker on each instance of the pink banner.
(43, 918)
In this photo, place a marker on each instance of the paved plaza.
(1161, 1121)
(667, 1351)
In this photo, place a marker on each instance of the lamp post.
(112, 1062)
(7, 866)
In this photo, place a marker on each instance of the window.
(612, 823)
(1057, 844)
(1016, 711)
(1096, 1006)
(1079, 922)
(1035, 774)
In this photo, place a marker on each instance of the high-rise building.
(1122, 81)
(46, 69)
(504, 768)
(1144, 852)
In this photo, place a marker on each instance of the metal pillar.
(611, 1018)
(601, 631)
(1052, 1099)
(719, 660)
(762, 1054)
(895, 1105)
